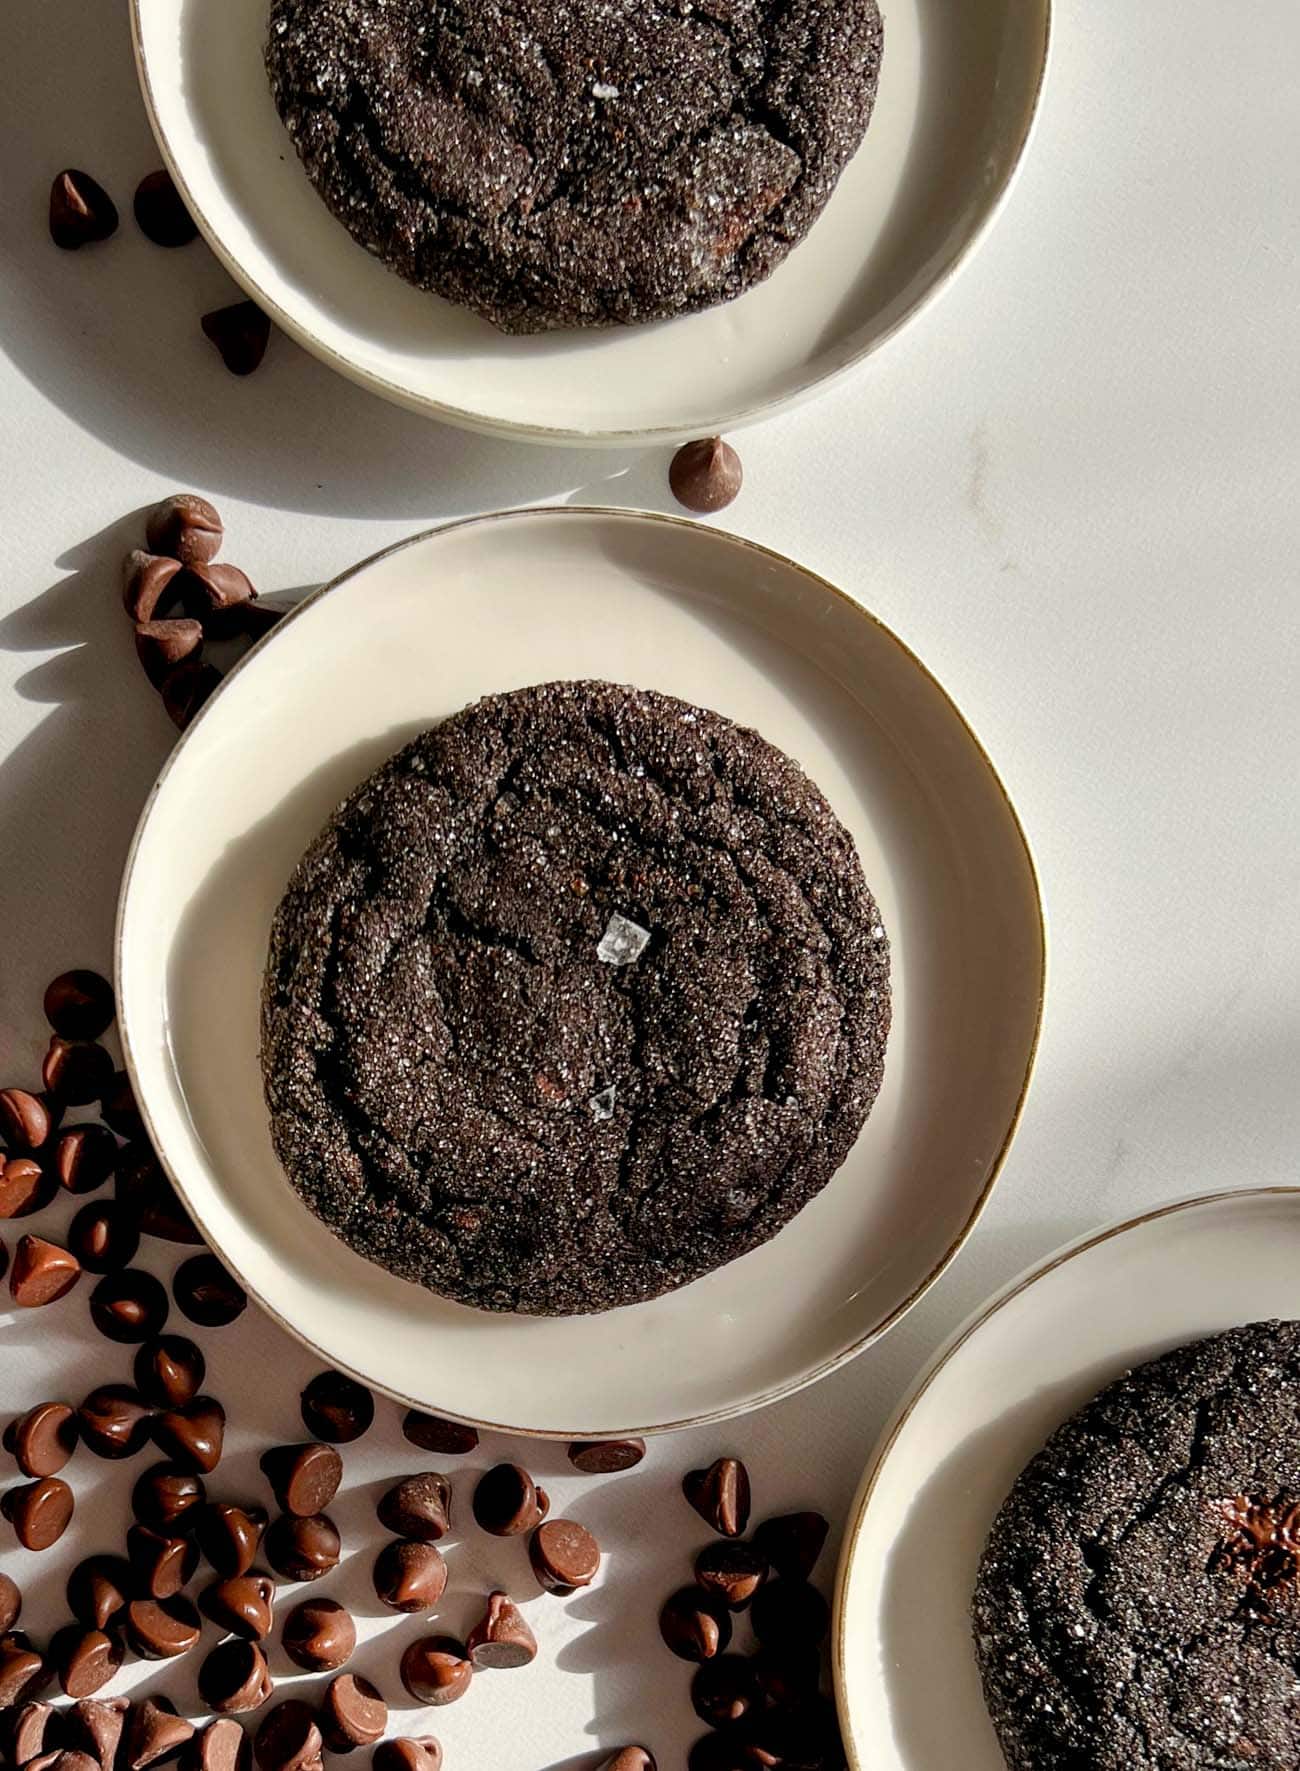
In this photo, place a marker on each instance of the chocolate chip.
(241, 1604)
(81, 210)
(695, 1624)
(11, 1603)
(64, 1759)
(84, 1660)
(449, 1438)
(229, 1537)
(25, 1187)
(150, 590)
(257, 619)
(24, 1119)
(353, 1713)
(130, 1306)
(25, 1731)
(99, 1590)
(186, 528)
(169, 1372)
(241, 333)
(192, 1435)
(790, 1611)
(435, 1670)
(409, 1576)
(160, 212)
(720, 1495)
(318, 1635)
(337, 1408)
(302, 1549)
(720, 1752)
(43, 1439)
(222, 1746)
(114, 1421)
(304, 1478)
(734, 1571)
(630, 1758)
(216, 596)
(792, 1543)
(501, 1637)
(806, 1741)
(118, 1108)
(288, 1738)
(184, 691)
(160, 1629)
(207, 1293)
(407, 1753)
(724, 1691)
(144, 1189)
(788, 1676)
(705, 475)
(162, 645)
(76, 1071)
(161, 1563)
(38, 1511)
(154, 1733)
(168, 1499)
(418, 1506)
(23, 1672)
(507, 1502)
(605, 1457)
(84, 1155)
(564, 1555)
(235, 1678)
(79, 1004)
(42, 1272)
(94, 1725)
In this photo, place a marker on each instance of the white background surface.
(1073, 486)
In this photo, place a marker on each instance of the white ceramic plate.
(905, 1669)
(959, 87)
(521, 598)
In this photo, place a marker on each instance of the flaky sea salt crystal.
(623, 941)
(602, 1105)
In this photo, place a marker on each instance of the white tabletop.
(1073, 486)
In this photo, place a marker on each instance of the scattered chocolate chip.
(169, 1371)
(695, 1624)
(25, 1187)
(418, 1506)
(185, 527)
(99, 1590)
(507, 1501)
(143, 1188)
(184, 691)
(564, 1555)
(337, 1408)
(150, 590)
(235, 1678)
(118, 1108)
(241, 1604)
(258, 618)
(25, 1731)
(130, 1306)
(4, 1258)
(318, 1635)
(84, 1156)
(409, 1576)
(792, 1543)
(38, 1511)
(788, 1676)
(42, 1272)
(720, 1495)
(192, 1435)
(162, 645)
(154, 1733)
(216, 596)
(734, 1571)
(705, 475)
(114, 1421)
(501, 1637)
(76, 1072)
(221, 1746)
(407, 1753)
(606, 1457)
(630, 1758)
(24, 1673)
(353, 1713)
(789, 1611)
(302, 1549)
(160, 212)
(160, 1629)
(721, 1752)
(435, 1670)
(449, 1438)
(79, 1004)
(11, 1603)
(207, 1293)
(168, 1499)
(808, 1740)
(304, 1478)
(288, 1738)
(229, 1537)
(42, 1440)
(94, 1725)
(24, 1119)
(161, 1563)
(241, 333)
(85, 1660)
(81, 210)
(724, 1691)
(64, 1759)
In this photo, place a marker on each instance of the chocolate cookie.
(1138, 1603)
(578, 997)
(605, 161)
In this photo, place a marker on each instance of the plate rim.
(603, 513)
(938, 1363)
(586, 436)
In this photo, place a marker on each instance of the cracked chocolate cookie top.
(580, 996)
(577, 163)
(1138, 1602)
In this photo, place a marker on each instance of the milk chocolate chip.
(25, 1730)
(149, 587)
(162, 645)
(304, 1478)
(25, 1187)
(564, 1555)
(705, 475)
(43, 1439)
(407, 1753)
(42, 1272)
(302, 1549)
(695, 1624)
(79, 1004)
(507, 1502)
(103, 1237)
(409, 1576)
(207, 1293)
(160, 1564)
(114, 1421)
(724, 1691)
(95, 1725)
(241, 333)
(337, 1408)
(229, 1537)
(734, 1571)
(23, 1672)
(185, 527)
(168, 1498)
(241, 1604)
(84, 1157)
(606, 1457)
(435, 1670)
(169, 1372)
(448, 1438)
(216, 596)
(160, 212)
(38, 1511)
(501, 1637)
(76, 1071)
(630, 1758)
(288, 1738)
(11, 1603)
(85, 1660)
(160, 1629)
(418, 1506)
(99, 1590)
(25, 1121)
(192, 1435)
(81, 210)
(143, 1188)
(318, 1635)
(353, 1713)
(235, 1678)
(129, 1307)
(720, 1495)
(154, 1733)
(118, 1108)
(222, 1746)
(184, 691)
